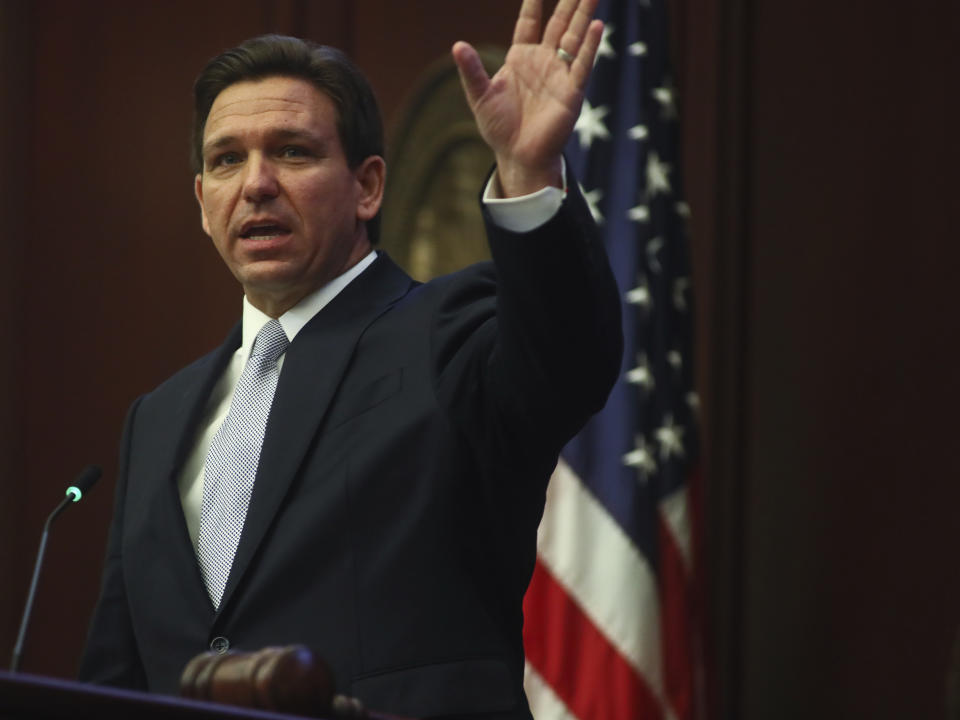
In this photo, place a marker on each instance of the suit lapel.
(193, 398)
(312, 371)
(189, 398)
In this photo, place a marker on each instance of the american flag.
(613, 612)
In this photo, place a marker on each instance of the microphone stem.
(25, 620)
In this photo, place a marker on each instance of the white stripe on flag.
(603, 571)
(676, 515)
(544, 703)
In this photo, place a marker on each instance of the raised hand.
(527, 110)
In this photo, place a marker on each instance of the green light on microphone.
(74, 493)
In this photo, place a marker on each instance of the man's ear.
(371, 176)
(198, 192)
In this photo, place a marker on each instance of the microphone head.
(85, 480)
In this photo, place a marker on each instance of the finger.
(582, 65)
(473, 76)
(578, 26)
(558, 22)
(527, 29)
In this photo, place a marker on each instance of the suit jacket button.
(220, 645)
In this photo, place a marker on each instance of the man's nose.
(260, 179)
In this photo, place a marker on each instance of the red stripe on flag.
(576, 660)
(677, 626)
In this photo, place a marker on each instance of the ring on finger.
(564, 55)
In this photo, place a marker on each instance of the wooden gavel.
(283, 679)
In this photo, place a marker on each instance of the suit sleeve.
(110, 656)
(525, 356)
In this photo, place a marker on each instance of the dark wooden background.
(821, 159)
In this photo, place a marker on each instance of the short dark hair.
(328, 69)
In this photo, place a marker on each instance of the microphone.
(85, 480)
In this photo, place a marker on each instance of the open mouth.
(263, 232)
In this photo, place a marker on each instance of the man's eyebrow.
(306, 135)
(281, 135)
(220, 142)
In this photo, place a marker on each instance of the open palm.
(527, 110)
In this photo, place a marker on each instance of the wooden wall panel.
(830, 256)
(394, 42)
(851, 472)
(15, 171)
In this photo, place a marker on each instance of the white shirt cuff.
(524, 213)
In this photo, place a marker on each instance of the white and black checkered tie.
(233, 458)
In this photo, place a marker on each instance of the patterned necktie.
(233, 458)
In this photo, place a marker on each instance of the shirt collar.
(293, 320)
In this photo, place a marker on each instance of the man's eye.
(224, 159)
(292, 151)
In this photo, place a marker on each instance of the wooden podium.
(31, 697)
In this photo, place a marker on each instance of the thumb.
(473, 76)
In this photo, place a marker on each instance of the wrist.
(515, 179)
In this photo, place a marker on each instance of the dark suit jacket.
(393, 520)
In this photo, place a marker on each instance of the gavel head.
(285, 679)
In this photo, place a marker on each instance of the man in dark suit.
(373, 487)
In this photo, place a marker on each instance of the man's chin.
(275, 287)
(268, 276)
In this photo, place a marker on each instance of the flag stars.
(641, 458)
(662, 440)
(680, 287)
(590, 124)
(653, 250)
(593, 198)
(666, 97)
(683, 212)
(606, 47)
(675, 359)
(641, 375)
(658, 175)
(639, 213)
(670, 438)
(640, 295)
